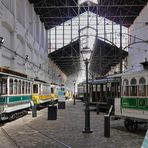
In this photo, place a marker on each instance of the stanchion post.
(106, 126)
(34, 111)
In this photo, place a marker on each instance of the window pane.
(15, 86)
(23, 87)
(133, 90)
(35, 88)
(142, 90)
(11, 86)
(19, 87)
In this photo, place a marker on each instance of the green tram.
(15, 95)
(133, 103)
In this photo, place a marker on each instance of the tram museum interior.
(96, 49)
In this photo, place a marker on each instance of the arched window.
(142, 87)
(133, 88)
(11, 86)
(125, 88)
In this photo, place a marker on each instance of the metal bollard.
(106, 126)
(52, 112)
(97, 108)
(34, 111)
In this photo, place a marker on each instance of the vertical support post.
(120, 51)
(120, 44)
(79, 28)
(49, 41)
(71, 30)
(74, 101)
(105, 28)
(63, 34)
(97, 100)
(55, 38)
(87, 110)
(112, 32)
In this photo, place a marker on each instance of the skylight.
(83, 1)
(68, 32)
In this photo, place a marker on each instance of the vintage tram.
(133, 103)
(15, 94)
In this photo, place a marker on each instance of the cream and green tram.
(133, 103)
(15, 96)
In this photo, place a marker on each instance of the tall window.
(3, 86)
(26, 87)
(19, 87)
(23, 87)
(142, 87)
(133, 88)
(11, 86)
(125, 88)
(35, 88)
(15, 86)
(29, 89)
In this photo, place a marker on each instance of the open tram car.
(133, 103)
(15, 94)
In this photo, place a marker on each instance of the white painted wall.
(138, 51)
(25, 34)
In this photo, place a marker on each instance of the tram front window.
(35, 88)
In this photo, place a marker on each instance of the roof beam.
(63, 7)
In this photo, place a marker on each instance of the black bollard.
(34, 111)
(52, 112)
(97, 109)
(106, 126)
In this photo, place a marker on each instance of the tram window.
(133, 88)
(52, 90)
(3, 86)
(142, 87)
(23, 87)
(26, 87)
(29, 88)
(35, 88)
(19, 87)
(15, 86)
(11, 86)
(125, 88)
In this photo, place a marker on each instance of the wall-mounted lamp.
(1, 41)
(26, 57)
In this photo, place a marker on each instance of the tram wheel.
(131, 125)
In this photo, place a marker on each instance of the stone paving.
(66, 131)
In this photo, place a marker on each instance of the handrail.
(110, 110)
